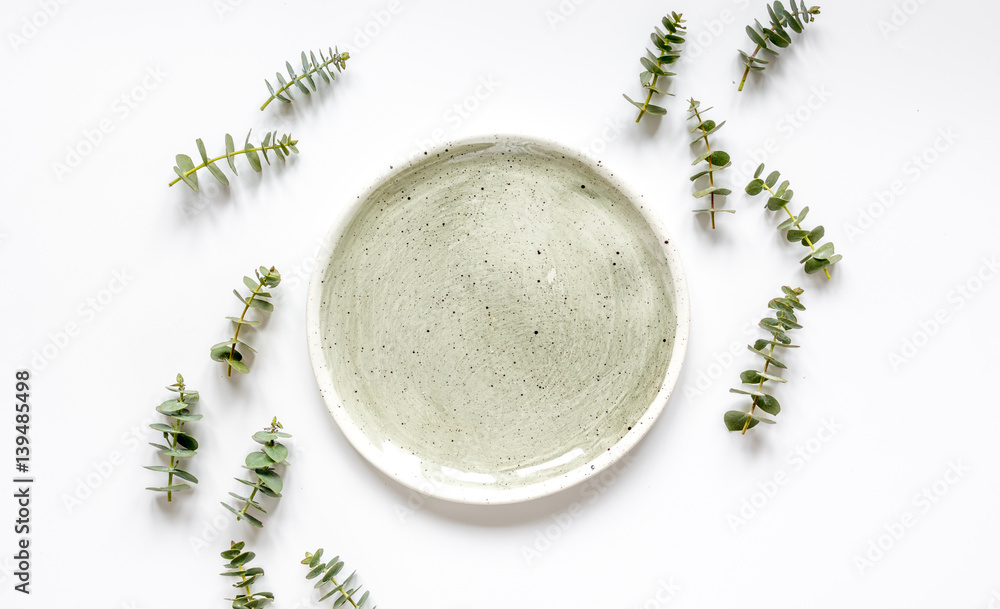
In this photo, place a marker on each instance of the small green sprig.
(715, 159)
(775, 35)
(229, 351)
(265, 479)
(783, 321)
(342, 592)
(236, 567)
(310, 67)
(820, 258)
(654, 62)
(180, 444)
(186, 170)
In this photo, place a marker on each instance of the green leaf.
(816, 234)
(776, 203)
(251, 154)
(755, 37)
(238, 366)
(768, 404)
(174, 488)
(772, 179)
(796, 235)
(222, 352)
(736, 420)
(178, 452)
(822, 252)
(651, 66)
(201, 150)
(264, 144)
(270, 478)
(231, 151)
(191, 179)
(263, 437)
(252, 521)
(184, 475)
(184, 162)
(778, 36)
(187, 441)
(258, 459)
(769, 358)
(815, 265)
(711, 189)
(221, 177)
(759, 170)
(755, 187)
(244, 322)
(719, 158)
(757, 376)
(277, 452)
(261, 305)
(171, 406)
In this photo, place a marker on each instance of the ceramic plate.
(496, 321)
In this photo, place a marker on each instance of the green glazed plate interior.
(496, 321)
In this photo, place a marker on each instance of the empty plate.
(496, 321)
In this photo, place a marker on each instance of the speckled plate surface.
(497, 320)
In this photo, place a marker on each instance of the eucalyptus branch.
(265, 480)
(180, 444)
(776, 35)
(653, 63)
(228, 351)
(820, 258)
(715, 159)
(186, 170)
(238, 559)
(783, 321)
(310, 66)
(342, 592)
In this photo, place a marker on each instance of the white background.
(897, 349)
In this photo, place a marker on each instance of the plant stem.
(711, 174)
(236, 334)
(227, 155)
(791, 215)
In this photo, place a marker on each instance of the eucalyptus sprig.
(654, 62)
(310, 66)
(775, 35)
(265, 479)
(238, 560)
(820, 258)
(180, 444)
(342, 592)
(229, 351)
(186, 170)
(715, 159)
(778, 326)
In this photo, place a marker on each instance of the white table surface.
(878, 485)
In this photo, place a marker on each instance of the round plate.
(497, 320)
